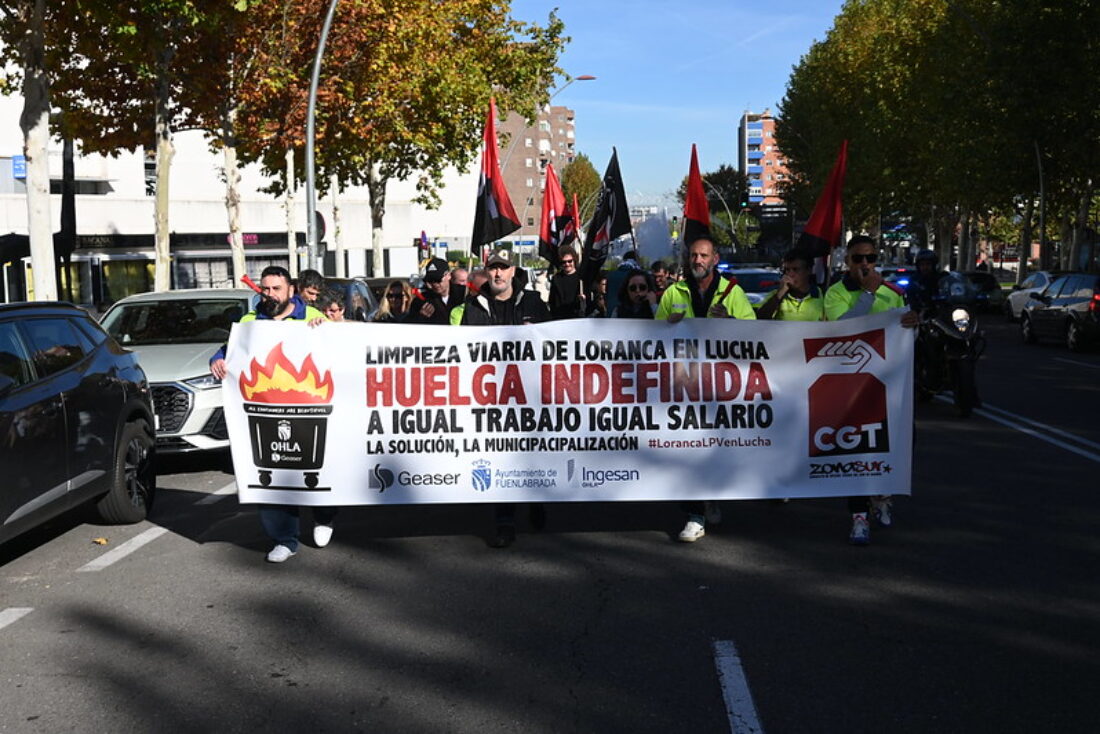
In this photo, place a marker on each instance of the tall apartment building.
(523, 157)
(760, 158)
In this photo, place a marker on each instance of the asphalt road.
(978, 611)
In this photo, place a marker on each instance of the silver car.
(174, 334)
(1021, 294)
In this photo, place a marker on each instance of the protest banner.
(581, 410)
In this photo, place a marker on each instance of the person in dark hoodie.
(567, 299)
(503, 300)
(435, 304)
(279, 302)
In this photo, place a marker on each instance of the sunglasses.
(395, 296)
(857, 258)
(568, 262)
(634, 288)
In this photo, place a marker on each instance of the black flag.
(611, 220)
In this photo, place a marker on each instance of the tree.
(404, 89)
(581, 179)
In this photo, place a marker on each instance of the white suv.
(174, 334)
(1021, 294)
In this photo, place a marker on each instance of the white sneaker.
(861, 529)
(279, 554)
(692, 532)
(713, 512)
(322, 534)
(882, 508)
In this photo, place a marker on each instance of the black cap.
(435, 270)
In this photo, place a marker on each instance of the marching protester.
(309, 285)
(637, 297)
(798, 298)
(661, 277)
(460, 279)
(859, 292)
(703, 293)
(615, 278)
(395, 303)
(476, 279)
(597, 299)
(567, 299)
(331, 304)
(434, 305)
(279, 302)
(503, 301)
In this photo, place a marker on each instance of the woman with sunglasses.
(395, 302)
(860, 292)
(637, 297)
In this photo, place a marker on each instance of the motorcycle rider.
(923, 288)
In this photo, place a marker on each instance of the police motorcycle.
(949, 343)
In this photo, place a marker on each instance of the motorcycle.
(949, 344)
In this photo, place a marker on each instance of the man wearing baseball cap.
(503, 300)
(435, 302)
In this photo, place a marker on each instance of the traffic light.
(745, 199)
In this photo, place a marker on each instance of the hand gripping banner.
(599, 410)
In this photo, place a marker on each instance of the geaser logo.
(482, 475)
(848, 409)
(380, 478)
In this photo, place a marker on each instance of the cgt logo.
(380, 478)
(848, 409)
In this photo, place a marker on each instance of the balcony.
(754, 155)
(754, 169)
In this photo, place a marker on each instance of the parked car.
(360, 296)
(174, 334)
(756, 282)
(1018, 298)
(1066, 310)
(76, 420)
(990, 295)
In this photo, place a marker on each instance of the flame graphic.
(279, 381)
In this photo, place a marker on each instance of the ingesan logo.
(482, 475)
(848, 408)
(380, 478)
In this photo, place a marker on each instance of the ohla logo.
(848, 408)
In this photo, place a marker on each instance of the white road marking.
(123, 550)
(1082, 364)
(218, 495)
(12, 614)
(735, 689)
(1029, 426)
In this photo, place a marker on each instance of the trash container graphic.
(288, 409)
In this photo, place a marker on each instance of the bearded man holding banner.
(703, 293)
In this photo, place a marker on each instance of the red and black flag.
(823, 231)
(495, 217)
(573, 226)
(555, 218)
(611, 220)
(696, 209)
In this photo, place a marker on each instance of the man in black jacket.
(498, 302)
(435, 304)
(566, 289)
(502, 300)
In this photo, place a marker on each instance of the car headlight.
(205, 382)
(961, 318)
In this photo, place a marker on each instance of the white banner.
(583, 410)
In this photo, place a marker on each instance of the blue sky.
(670, 74)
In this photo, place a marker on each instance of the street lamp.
(733, 225)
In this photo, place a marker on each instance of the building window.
(530, 182)
(530, 221)
(530, 201)
(529, 162)
(527, 143)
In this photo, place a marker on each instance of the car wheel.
(1074, 340)
(133, 478)
(1027, 331)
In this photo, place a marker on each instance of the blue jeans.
(281, 522)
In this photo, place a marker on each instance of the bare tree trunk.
(162, 273)
(233, 194)
(964, 261)
(376, 185)
(1079, 225)
(35, 123)
(1026, 228)
(291, 236)
(1064, 241)
(337, 232)
(945, 227)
